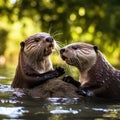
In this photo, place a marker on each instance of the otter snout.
(62, 50)
(61, 53)
(49, 39)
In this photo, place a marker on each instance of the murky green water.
(16, 105)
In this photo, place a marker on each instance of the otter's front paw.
(85, 92)
(82, 92)
(68, 79)
(59, 71)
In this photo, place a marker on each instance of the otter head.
(38, 46)
(81, 55)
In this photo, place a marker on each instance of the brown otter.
(34, 64)
(98, 77)
(35, 69)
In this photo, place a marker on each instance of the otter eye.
(74, 47)
(37, 39)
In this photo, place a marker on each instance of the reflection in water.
(60, 110)
(12, 112)
(15, 104)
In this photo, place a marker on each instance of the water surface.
(16, 105)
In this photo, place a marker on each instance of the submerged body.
(97, 76)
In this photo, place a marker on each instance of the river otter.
(35, 70)
(34, 64)
(98, 77)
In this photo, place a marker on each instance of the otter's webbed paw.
(68, 79)
(59, 71)
(85, 92)
(82, 92)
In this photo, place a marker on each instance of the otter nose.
(49, 39)
(62, 50)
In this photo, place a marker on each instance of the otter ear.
(22, 44)
(96, 48)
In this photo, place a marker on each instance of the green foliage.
(3, 34)
(92, 21)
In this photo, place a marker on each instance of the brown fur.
(54, 88)
(34, 64)
(35, 70)
(98, 77)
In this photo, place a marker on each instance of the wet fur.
(36, 68)
(37, 76)
(101, 80)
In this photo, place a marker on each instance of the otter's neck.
(102, 71)
(41, 66)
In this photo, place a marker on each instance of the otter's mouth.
(64, 57)
(67, 60)
(48, 50)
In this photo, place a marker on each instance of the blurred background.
(91, 21)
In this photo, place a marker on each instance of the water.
(16, 105)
